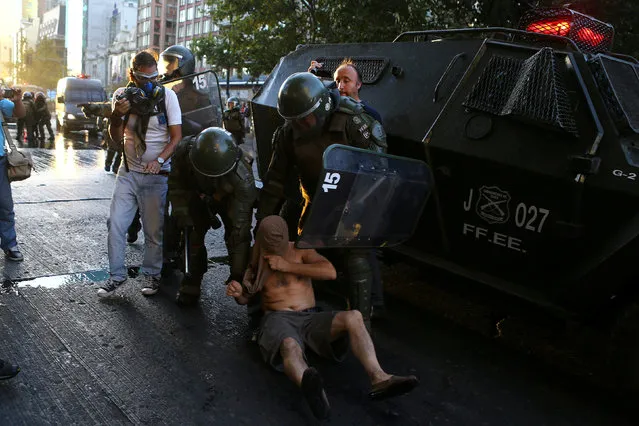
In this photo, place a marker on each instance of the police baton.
(187, 251)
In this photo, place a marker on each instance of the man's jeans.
(7, 217)
(133, 190)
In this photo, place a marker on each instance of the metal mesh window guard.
(590, 34)
(618, 83)
(530, 89)
(370, 68)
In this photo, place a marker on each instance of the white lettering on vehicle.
(497, 238)
(492, 205)
(330, 181)
(530, 218)
(622, 174)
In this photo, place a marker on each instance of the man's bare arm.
(314, 266)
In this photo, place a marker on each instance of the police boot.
(359, 284)
(189, 291)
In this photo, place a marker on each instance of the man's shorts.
(309, 329)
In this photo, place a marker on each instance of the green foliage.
(42, 66)
(257, 33)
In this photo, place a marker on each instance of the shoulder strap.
(7, 134)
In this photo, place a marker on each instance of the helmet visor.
(167, 65)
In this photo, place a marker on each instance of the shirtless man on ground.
(283, 274)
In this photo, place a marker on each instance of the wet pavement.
(137, 360)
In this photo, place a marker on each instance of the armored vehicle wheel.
(624, 360)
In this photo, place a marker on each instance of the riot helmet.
(214, 152)
(27, 95)
(40, 96)
(176, 61)
(306, 101)
(232, 102)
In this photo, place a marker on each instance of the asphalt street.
(138, 360)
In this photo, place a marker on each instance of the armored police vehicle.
(531, 139)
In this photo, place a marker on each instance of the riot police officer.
(234, 119)
(211, 176)
(316, 118)
(176, 61)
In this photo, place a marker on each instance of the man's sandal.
(395, 386)
(313, 390)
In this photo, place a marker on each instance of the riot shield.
(366, 199)
(200, 101)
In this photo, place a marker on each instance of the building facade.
(157, 23)
(194, 21)
(53, 27)
(122, 46)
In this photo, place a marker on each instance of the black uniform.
(197, 200)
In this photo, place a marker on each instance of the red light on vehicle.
(559, 27)
(83, 76)
(589, 36)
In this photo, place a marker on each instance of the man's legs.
(384, 385)
(109, 159)
(305, 377)
(151, 198)
(47, 122)
(7, 215)
(134, 228)
(190, 287)
(123, 208)
(31, 141)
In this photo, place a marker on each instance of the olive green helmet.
(302, 94)
(214, 152)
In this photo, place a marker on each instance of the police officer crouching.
(211, 176)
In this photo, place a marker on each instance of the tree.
(259, 32)
(42, 66)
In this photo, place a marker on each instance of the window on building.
(182, 2)
(169, 39)
(190, 1)
(189, 30)
(189, 14)
(158, 11)
(156, 26)
(181, 32)
(206, 26)
(196, 31)
(156, 39)
(215, 28)
(169, 25)
(198, 11)
(182, 17)
(145, 40)
(145, 26)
